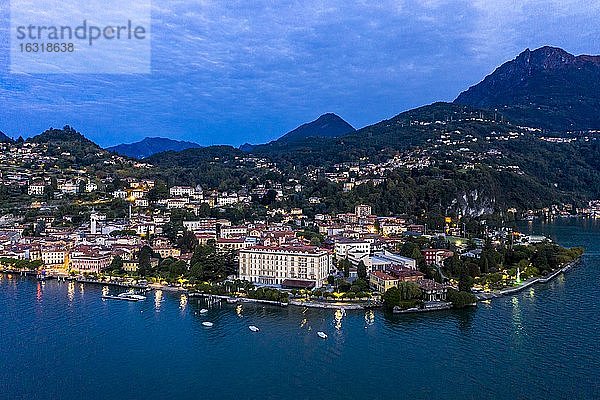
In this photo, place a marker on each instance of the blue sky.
(229, 72)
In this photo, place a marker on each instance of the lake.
(60, 340)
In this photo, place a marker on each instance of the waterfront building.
(382, 281)
(89, 260)
(278, 265)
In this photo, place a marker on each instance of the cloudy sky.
(249, 70)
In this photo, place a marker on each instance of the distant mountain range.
(4, 138)
(546, 88)
(469, 154)
(150, 146)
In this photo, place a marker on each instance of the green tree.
(344, 265)
(144, 259)
(361, 270)
(116, 265)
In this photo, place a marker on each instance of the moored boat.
(253, 328)
(322, 335)
(207, 324)
(111, 297)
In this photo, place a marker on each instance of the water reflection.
(183, 300)
(517, 316)
(239, 310)
(38, 294)
(369, 318)
(337, 319)
(81, 288)
(105, 290)
(158, 297)
(71, 291)
(465, 319)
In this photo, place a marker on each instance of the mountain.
(66, 135)
(150, 146)
(71, 148)
(4, 138)
(547, 88)
(327, 125)
(450, 155)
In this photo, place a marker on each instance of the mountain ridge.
(151, 145)
(547, 88)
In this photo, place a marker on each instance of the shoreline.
(526, 284)
(300, 303)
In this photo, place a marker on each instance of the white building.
(345, 248)
(362, 210)
(304, 265)
(35, 189)
(53, 256)
(182, 191)
(381, 261)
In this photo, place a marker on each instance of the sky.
(236, 71)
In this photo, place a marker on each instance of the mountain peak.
(327, 125)
(57, 136)
(547, 87)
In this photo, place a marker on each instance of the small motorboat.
(207, 324)
(131, 295)
(126, 298)
(322, 335)
(253, 328)
(203, 311)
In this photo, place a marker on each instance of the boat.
(253, 328)
(322, 335)
(132, 295)
(111, 297)
(207, 324)
(203, 311)
(232, 301)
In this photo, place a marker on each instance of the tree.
(465, 281)
(207, 264)
(116, 265)
(188, 242)
(269, 198)
(361, 270)
(145, 265)
(460, 299)
(344, 264)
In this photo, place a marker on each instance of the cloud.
(236, 71)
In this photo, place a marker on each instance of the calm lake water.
(62, 341)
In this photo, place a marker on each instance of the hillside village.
(83, 223)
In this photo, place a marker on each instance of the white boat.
(108, 296)
(130, 295)
(322, 335)
(203, 311)
(207, 324)
(253, 328)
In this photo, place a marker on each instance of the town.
(136, 232)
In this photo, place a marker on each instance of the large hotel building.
(289, 266)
